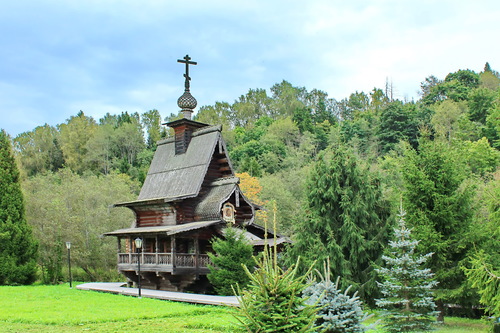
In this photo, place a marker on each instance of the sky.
(58, 57)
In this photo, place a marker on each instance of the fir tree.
(18, 249)
(346, 220)
(230, 254)
(440, 211)
(272, 301)
(407, 287)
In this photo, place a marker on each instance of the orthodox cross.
(187, 62)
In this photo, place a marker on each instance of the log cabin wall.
(182, 138)
(185, 212)
(154, 216)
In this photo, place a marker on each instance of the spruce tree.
(18, 249)
(440, 212)
(231, 253)
(338, 312)
(346, 221)
(407, 286)
(272, 301)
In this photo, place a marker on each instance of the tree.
(427, 85)
(100, 149)
(273, 299)
(38, 150)
(486, 278)
(286, 99)
(397, 122)
(446, 119)
(407, 285)
(346, 220)
(357, 102)
(75, 134)
(219, 114)
(250, 107)
(338, 311)
(481, 158)
(439, 207)
(286, 189)
(483, 268)
(480, 101)
(18, 249)
(231, 253)
(65, 206)
(129, 141)
(151, 120)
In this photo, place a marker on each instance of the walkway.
(117, 288)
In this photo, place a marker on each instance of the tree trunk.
(441, 309)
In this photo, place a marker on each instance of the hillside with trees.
(336, 170)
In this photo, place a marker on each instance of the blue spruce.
(407, 286)
(338, 311)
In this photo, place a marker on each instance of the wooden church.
(189, 195)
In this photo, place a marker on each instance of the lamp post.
(68, 246)
(138, 247)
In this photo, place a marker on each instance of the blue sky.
(59, 57)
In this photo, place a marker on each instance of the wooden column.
(142, 250)
(119, 248)
(197, 256)
(157, 247)
(173, 251)
(130, 249)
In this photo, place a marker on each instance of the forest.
(337, 171)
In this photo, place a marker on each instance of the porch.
(174, 263)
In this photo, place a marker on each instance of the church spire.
(187, 102)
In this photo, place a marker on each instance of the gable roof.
(184, 173)
(210, 204)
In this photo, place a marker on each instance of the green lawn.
(61, 309)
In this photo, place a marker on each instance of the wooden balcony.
(178, 263)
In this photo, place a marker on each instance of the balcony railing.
(166, 259)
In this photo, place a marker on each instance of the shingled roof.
(211, 202)
(184, 173)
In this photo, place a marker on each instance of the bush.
(338, 311)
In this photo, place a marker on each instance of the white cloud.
(111, 56)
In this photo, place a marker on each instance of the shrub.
(338, 311)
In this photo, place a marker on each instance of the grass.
(61, 309)
(451, 325)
